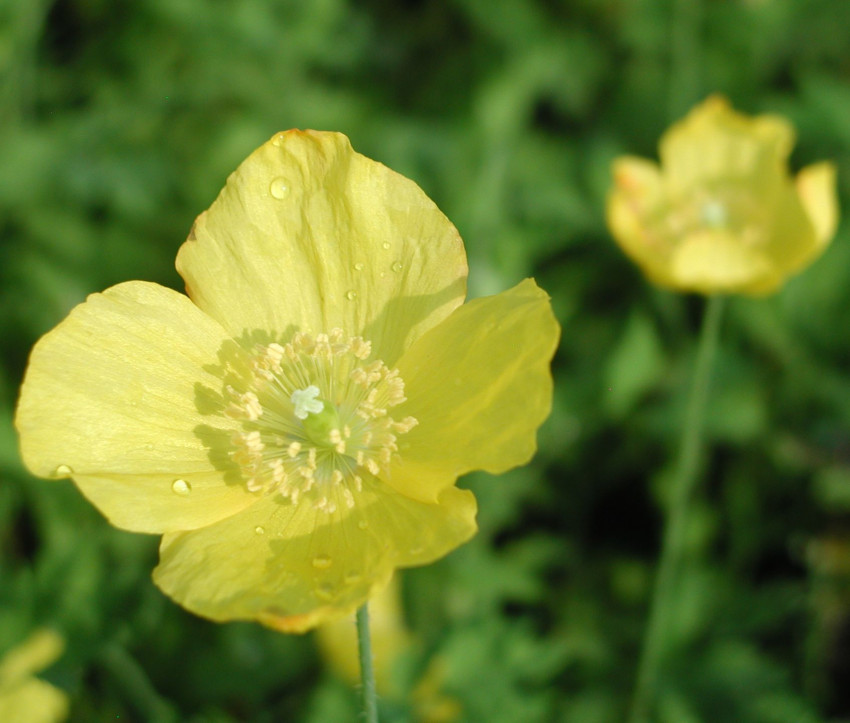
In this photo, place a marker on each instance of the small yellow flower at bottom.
(23, 697)
(721, 214)
(390, 638)
(391, 641)
(295, 426)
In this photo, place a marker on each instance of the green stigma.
(318, 418)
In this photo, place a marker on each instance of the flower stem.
(368, 695)
(136, 687)
(656, 641)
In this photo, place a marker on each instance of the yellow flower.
(722, 214)
(389, 636)
(24, 697)
(391, 640)
(295, 427)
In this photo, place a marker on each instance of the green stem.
(139, 692)
(656, 642)
(368, 695)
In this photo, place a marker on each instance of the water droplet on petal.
(279, 139)
(352, 576)
(181, 487)
(383, 274)
(278, 188)
(358, 266)
(362, 524)
(397, 266)
(351, 294)
(322, 562)
(325, 591)
(260, 530)
(386, 245)
(63, 470)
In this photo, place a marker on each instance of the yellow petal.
(792, 238)
(639, 179)
(480, 386)
(37, 652)
(33, 701)
(632, 203)
(293, 567)
(110, 398)
(816, 187)
(23, 697)
(715, 142)
(716, 262)
(309, 235)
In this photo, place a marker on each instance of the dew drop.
(181, 487)
(63, 470)
(322, 562)
(386, 245)
(260, 530)
(352, 576)
(397, 266)
(358, 266)
(279, 139)
(278, 188)
(351, 294)
(362, 524)
(325, 591)
(383, 274)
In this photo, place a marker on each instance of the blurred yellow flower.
(24, 697)
(389, 635)
(391, 641)
(722, 214)
(295, 427)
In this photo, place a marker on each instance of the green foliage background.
(119, 122)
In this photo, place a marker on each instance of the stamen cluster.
(314, 415)
(720, 209)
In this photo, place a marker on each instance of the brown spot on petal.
(192, 236)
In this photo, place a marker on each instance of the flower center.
(714, 214)
(730, 210)
(314, 416)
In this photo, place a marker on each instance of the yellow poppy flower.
(23, 697)
(294, 428)
(722, 214)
